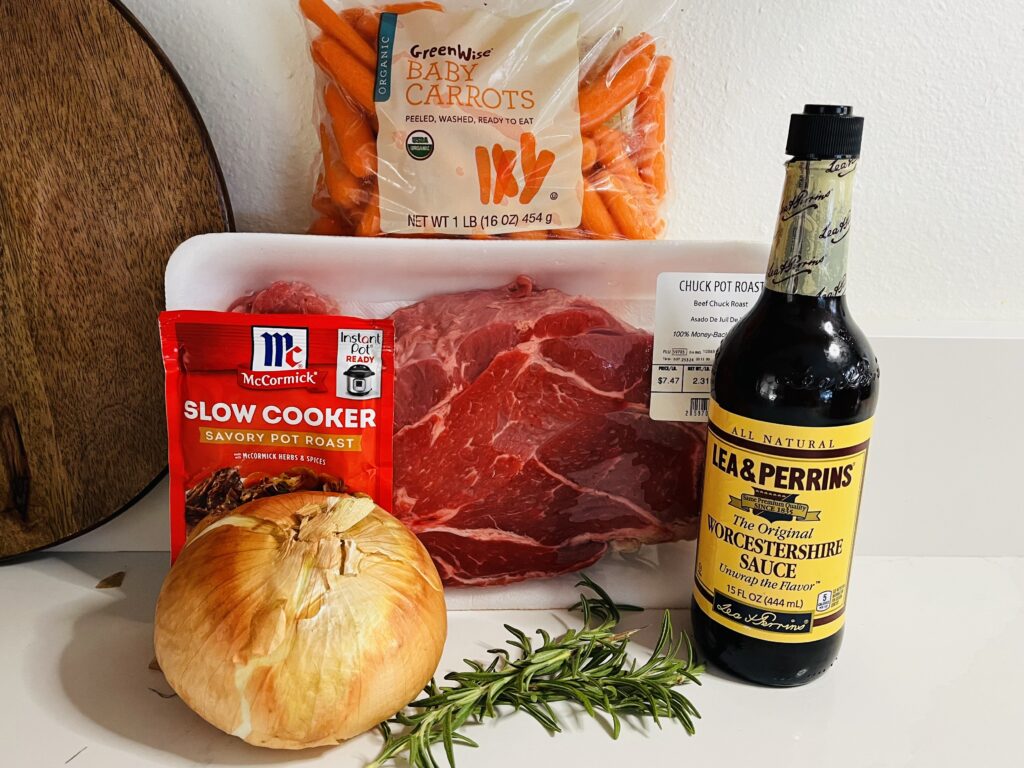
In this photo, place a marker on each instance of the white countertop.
(930, 675)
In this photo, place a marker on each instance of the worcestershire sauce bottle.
(794, 388)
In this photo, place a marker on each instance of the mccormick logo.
(279, 361)
(279, 349)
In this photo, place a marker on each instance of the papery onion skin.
(289, 626)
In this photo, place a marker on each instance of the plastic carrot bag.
(509, 118)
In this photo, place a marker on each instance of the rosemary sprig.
(590, 667)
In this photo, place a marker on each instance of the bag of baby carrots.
(520, 119)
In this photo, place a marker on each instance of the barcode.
(699, 406)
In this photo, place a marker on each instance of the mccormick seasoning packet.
(261, 405)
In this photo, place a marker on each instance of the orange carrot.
(352, 132)
(369, 222)
(589, 154)
(344, 188)
(617, 84)
(596, 222)
(409, 7)
(628, 214)
(352, 16)
(613, 154)
(483, 173)
(325, 225)
(348, 73)
(368, 25)
(649, 141)
(322, 202)
(649, 128)
(338, 27)
(660, 71)
(653, 170)
(365, 22)
(536, 175)
(536, 234)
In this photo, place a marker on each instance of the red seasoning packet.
(260, 405)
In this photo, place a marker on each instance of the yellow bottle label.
(777, 525)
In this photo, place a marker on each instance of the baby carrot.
(589, 154)
(337, 27)
(613, 154)
(626, 212)
(649, 130)
(352, 132)
(348, 73)
(617, 84)
(343, 188)
(597, 222)
(535, 176)
(535, 234)
(368, 25)
(322, 202)
(369, 222)
(483, 174)
(352, 16)
(660, 71)
(325, 225)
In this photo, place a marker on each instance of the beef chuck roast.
(523, 443)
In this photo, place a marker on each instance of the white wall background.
(940, 204)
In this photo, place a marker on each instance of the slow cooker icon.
(359, 380)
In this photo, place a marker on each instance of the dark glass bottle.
(794, 389)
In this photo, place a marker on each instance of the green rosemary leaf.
(589, 667)
(447, 735)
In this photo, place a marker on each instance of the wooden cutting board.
(105, 167)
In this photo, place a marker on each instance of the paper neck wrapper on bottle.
(812, 240)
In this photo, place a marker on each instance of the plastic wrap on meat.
(523, 442)
(285, 298)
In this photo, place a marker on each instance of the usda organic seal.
(419, 145)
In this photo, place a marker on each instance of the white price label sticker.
(693, 313)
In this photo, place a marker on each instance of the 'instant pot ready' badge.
(359, 364)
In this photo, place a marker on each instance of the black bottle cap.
(824, 132)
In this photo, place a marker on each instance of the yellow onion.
(300, 620)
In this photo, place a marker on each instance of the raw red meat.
(523, 444)
(284, 298)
